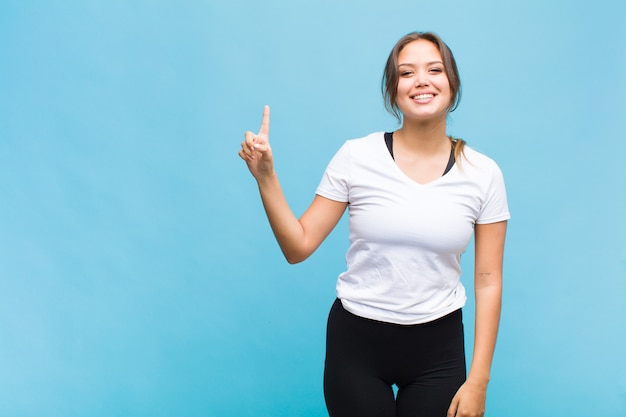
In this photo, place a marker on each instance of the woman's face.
(423, 86)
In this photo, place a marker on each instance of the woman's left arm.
(489, 250)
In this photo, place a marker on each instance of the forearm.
(488, 306)
(287, 228)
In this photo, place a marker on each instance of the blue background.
(138, 275)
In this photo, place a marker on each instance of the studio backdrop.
(138, 274)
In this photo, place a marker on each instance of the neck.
(423, 137)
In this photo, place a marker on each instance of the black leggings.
(364, 358)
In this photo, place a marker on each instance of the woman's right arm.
(297, 238)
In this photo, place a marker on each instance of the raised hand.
(256, 150)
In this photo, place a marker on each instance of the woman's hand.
(469, 400)
(256, 150)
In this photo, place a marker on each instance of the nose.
(421, 79)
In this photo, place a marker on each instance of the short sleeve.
(334, 184)
(495, 207)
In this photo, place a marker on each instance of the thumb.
(454, 406)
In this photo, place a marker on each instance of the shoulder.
(367, 141)
(365, 144)
(478, 160)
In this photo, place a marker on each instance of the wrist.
(266, 178)
(478, 380)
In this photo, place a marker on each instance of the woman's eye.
(438, 70)
(405, 73)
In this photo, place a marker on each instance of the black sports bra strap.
(451, 160)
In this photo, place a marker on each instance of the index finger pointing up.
(265, 123)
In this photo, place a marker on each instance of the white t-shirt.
(406, 238)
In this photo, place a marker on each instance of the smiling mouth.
(423, 96)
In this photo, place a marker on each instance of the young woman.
(415, 196)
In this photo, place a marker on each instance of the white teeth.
(423, 96)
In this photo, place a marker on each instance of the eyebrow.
(428, 63)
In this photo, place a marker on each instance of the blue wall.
(138, 275)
